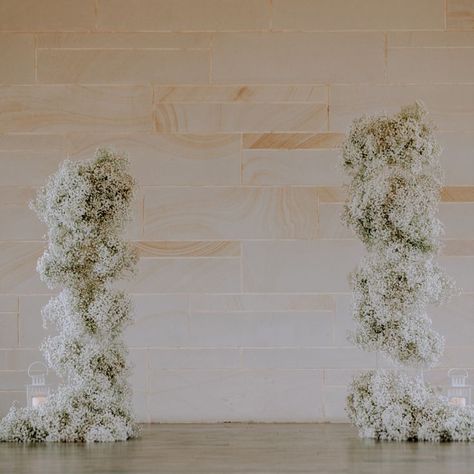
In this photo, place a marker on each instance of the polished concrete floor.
(241, 448)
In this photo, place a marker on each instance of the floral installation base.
(387, 405)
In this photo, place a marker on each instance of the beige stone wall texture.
(232, 112)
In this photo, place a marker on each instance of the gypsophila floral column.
(392, 206)
(85, 206)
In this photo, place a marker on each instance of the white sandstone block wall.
(231, 113)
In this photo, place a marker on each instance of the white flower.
(386, 405)
(395, 181)
(393, 208)
(85, 205)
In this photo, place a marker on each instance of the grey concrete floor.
(241, 448)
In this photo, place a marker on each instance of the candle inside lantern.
(457, 401)
(37, 401)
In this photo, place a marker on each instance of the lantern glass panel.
(459, 392)
(37, 392)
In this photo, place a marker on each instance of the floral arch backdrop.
(392, 207)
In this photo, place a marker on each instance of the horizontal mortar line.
(112, 134)
(150, 257)
(231, 370)
(268, 239)
(153, 133)
(350, 30)
(192, 311)
(272, 150)
(237, 132)
(255, 294)
(223, 257)
(183, 348)
(95, 32)
(329, 83)
(191, 241)
(23, 241)
(206, 348)
(125, 48)
(284, 84)
(207, 293)
(251, 101)
(84, 85)
(130, 31)
(19, 348)
(98, 30)
(402, 83)
(432, 47)
(397, 84)
(217, 132)
(256, 311)
(247, 83)
(237, 257)
(229, 84)
(266, 294)
(221, 187)
(271, 30)
(263, 239)
(244, 348)
(246, 186)
(132, 85)
(148, 84)
(335, 293)
(243, 101)
(456, 239)
(469, 256)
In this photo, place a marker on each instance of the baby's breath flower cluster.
(391, 291)
(85, 205)
(395, 181)
(390, 406)
(393, 208)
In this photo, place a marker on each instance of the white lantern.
(37, 392)
(459, 393)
